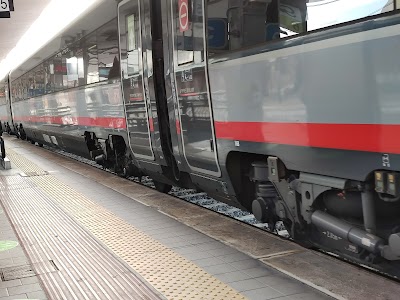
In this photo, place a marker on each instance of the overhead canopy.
(12, 29)
(44, 24)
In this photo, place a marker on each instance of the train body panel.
(335, 93)
(303, 115)
(97, 108)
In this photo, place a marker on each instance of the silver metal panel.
(99, 106)
(351, 79)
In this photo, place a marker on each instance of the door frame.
(144, 89)
(174, 65)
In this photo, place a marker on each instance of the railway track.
(189, 195)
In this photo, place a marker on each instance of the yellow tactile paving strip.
(171, 274)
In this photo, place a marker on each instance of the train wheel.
(40, 144)
(162, 187)
(32, 141)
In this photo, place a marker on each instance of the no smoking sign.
(183, 15)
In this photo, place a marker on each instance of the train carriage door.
(195, 124)
(10, 119)
(134, 90)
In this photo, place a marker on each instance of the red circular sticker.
(183, 15)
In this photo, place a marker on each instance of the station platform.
(71, 231)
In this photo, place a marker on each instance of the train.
(287, 109)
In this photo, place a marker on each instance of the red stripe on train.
(360, 137)
(151, 124)
(107, 122)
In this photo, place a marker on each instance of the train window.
(107, 45)
(321, 13)
(71, 65)
(58, 72)
(198, 31)
(189, 31)
(23, 87)
(130, 24)
(132, 45)
(2, 96)
(91, 63)
(49, 76)
(236, 24)
(184, 34)
(31, 84)
(39, 81)
(64, 70)
(14, 88)
(80, 65)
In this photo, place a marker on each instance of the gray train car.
(288, 108)
(285, 108)
(73, 100)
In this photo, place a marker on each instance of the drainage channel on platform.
(24, 271)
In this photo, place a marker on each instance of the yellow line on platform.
(171, 274)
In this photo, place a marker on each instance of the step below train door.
(195, 126)
(135, 94)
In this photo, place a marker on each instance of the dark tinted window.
(91, 63)
(48, 76)
(22, 87)
(64, 68)
(58, 72)
(189, 31)
(39, 81)
(31, 84)
(89, 60)
(71, 65)
(107, 48)
(14, 90)
(79, 50)
(184, 35)
(2, 95)
(236, 24)
(132, 44)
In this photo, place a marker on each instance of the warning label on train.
(183, 15)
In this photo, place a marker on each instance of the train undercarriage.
(358, 221)
(113, 154)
